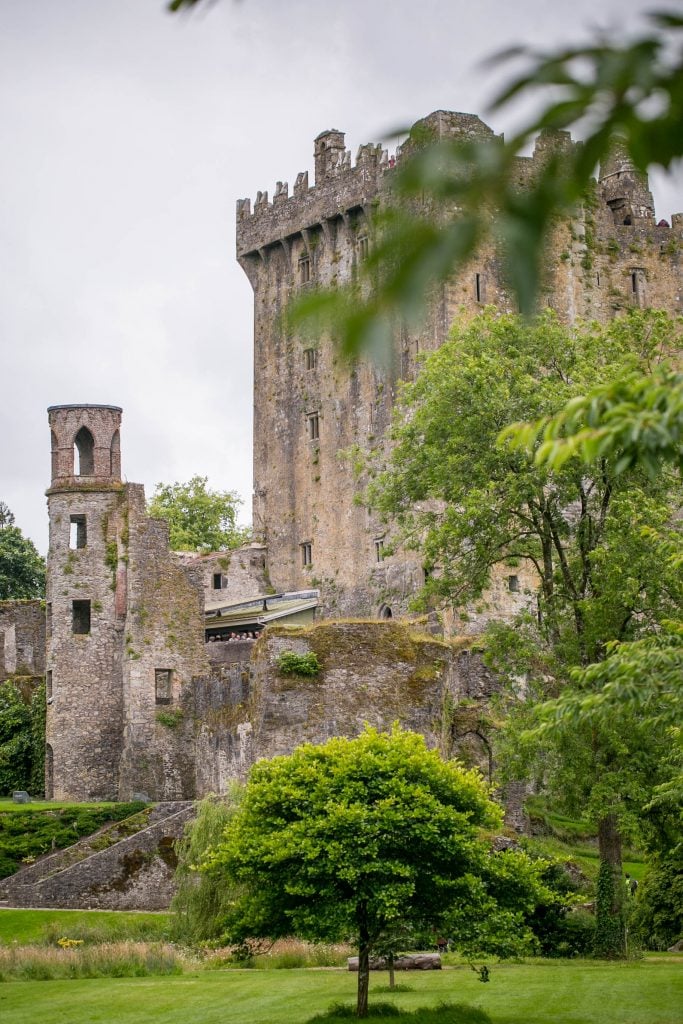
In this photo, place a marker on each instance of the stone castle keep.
(309, 407)
(138, 701)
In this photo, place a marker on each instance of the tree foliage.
(469, 504)
(354, 837)
(199, 518)
(22, 739)
(22, 570)
(202, 900)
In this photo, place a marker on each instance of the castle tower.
(626, 190)
(85, 603)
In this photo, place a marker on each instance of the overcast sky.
(127, 134)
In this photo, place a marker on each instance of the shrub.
(657, 919)
(291, 664)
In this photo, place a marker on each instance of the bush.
(657, 918)
(291, 664)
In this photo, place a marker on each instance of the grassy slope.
(544, 993)
(27, 927)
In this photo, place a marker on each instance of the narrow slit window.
(634, 282)
(78, 534)
(80, 617)
(313, 426)
(217, 581)
(48, 684)
(310, 358)
(363, 247)
(513, 584)
(379, 549)
(304, 269)
(162, 686)
(597, 279)
(479, 287)
(306, 554)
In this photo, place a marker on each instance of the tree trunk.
(392, 978)
(610, 935)
(363, 960)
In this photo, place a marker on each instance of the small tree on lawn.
(356, 837)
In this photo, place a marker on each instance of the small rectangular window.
(363, 247)
(80, 617)
(48, 683)
(310, 358)
(513, 584)
(306, 554)
(313, 426)
(479, 287)
(379, 549)
(634, 282)
(162, 686)
(48, 619)
(304, 269)
(217, 581)
(78, 534)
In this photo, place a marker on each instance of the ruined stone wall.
(163, 650)
(242, 573)
(22, 640)
(311, 412)
(371, 672)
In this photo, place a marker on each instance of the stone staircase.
(128, 865)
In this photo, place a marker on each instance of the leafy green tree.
(636, 420)
(202, 900)
(22, 570)
(597, 537)
(354, 837)
(199, 519)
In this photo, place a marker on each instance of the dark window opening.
(379, 549)
(115, 455)
(48, 619)
(513, 584)
(313, 426)
(304, 269)
(479, 287)
(634, 282)
(597, 279)
(385, 612)
(162, 686)
(55, 454)
(363, 247)
(84, 452)
(48, 684)
(217, 581)
(78, 533)
(628, 221)
(306, 554)
(49, 772)
(80, 616)
(310, 358)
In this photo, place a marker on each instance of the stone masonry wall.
(371, 672)
(135, 874)
(311, 412)
(22, 639)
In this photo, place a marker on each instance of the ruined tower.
(312, 413)
(125, 630)
(85, 603)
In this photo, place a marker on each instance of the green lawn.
(7, 804)
(26, 927)
(643, 992)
